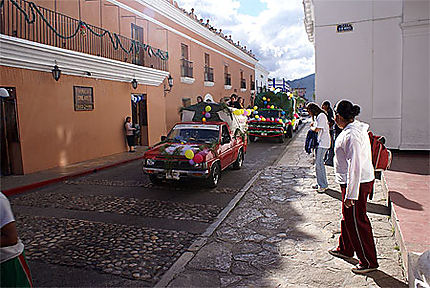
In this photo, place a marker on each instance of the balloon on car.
(198, 158)
(189, 154)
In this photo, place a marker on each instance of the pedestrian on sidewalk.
(14, 269)
(355, 174)
(320, 125)
(129, 134)
(326, 106)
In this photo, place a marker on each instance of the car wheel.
(290, 131)
(154, 179)
(213, 179)
(252, 138)
(239, 161)
(281, 138)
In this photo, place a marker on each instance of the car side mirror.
(163, 138)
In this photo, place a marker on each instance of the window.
(227, 76)
(242, 81)
(209, 71)
(186, 65)
(137, 34)
(251, 82)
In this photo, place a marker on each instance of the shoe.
(132, 151)
(336, 253)
(322, 190)
(360, 269)
(315, 187)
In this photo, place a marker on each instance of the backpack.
(381, 156)
(311, 141)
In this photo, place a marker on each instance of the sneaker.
(322, 190)
(315, 187)
(336, 253)
(360, 269)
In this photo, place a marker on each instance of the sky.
(273, 29)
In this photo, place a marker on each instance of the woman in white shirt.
(320, 125)
(355, 174)
(129, 133)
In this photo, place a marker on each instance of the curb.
(187, 256)
(25, 188)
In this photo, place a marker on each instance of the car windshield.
(189, 133)
(269, 113)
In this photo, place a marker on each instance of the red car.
(195, 150)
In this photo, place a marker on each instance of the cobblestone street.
(280, 232)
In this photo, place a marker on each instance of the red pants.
(356, 231)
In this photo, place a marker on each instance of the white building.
(261, 77)
(376, 54)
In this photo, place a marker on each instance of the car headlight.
(150, 162)
(203, 165)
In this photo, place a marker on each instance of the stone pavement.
(279, 233)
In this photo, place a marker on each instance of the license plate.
(172, 175)
(263, 134)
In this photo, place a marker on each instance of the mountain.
(307, 82)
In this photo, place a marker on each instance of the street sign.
(346, 27)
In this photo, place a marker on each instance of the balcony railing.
(26, 20)
(242, 84)
(227, 77)
(209, 74)
(186, 68)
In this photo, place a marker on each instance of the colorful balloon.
(255, 108)
(264, 98)
(265, 102)
(191, 162)
(208, 108)
(257, 117)
(203, 119)
(268, 106)
(208, 115)
(268, 99)
(273, 106)
(198, 158)
(189, 154)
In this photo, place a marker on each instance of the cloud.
(276, 35)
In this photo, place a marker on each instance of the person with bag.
(355, 174)
(320, 125)
(14, 268)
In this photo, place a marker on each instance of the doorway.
(11, 158)
(139, 116)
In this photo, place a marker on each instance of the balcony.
(28, 21)
(209, 74)
(186, 68)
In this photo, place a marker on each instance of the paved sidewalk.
(280, 231)
(15, 184)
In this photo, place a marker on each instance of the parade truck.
(209, 139)
(273, 116)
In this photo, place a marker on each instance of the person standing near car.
(129, 134)
(355, 174)
(320, 125)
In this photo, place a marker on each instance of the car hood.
(176, 150)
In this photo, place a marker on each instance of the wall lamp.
(170, 82)
(134, 83)
(56, 72)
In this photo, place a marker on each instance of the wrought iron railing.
(209, 74)
(242, 84)
(227, 79)
(26, 20)
(186, 68)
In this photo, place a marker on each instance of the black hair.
(314, 109)
(347, 110)
(326, 103)
(199, 97)
(233, 95)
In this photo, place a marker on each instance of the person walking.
(330, 116)
(320, 125)
(129, 134)
(14, 268)
(355, 174)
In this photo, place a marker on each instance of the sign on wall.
(346, 27)
(83, 98)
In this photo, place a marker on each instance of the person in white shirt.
(320, 125)
(13, 264)
(355, 174)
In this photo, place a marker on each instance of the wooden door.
(140, 117)
(11, 158)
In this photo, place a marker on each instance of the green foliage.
(280, 100)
